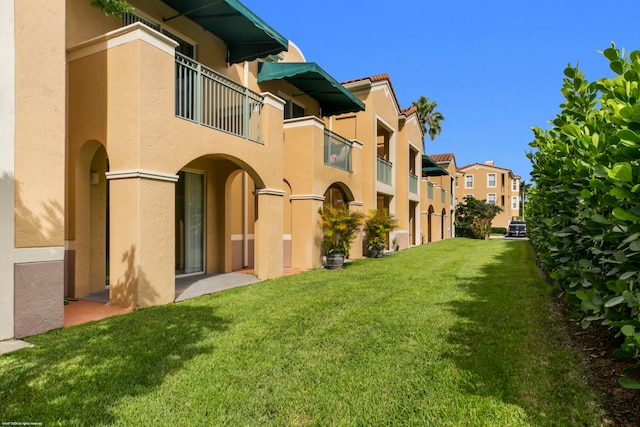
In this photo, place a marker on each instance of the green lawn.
(457, 333)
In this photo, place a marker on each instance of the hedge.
(584, 210)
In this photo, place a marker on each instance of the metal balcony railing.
(207, 97)
(385, 169)
(337, 151)
(413, 183)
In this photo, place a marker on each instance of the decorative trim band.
(308, 197)
(304, 122)
(269, 192)
(135, 31)
(139, 173)
(356, 203)
(273, 101)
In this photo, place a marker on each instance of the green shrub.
(498, 230)
(584, 211)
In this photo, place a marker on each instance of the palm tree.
(429, 117)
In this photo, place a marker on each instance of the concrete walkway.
(13, 345)
(197, 286)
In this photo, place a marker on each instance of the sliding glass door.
(190, 220)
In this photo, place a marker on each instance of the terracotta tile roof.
(379, 78)
(447, 157)
(409, 111)
(461, 169)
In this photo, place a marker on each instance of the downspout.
(245, 220)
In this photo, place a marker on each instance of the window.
(491, 180)
(514, 185)
(468, 181)
(514, 203)
(293, 110)
(456, 182)
(491, 198)
(184, 47)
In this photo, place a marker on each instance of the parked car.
(517, 228)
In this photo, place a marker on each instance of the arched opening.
(90, 222)
(442, 224)
(413, 224)
(430, 213)
(336, 196)
(215, 216)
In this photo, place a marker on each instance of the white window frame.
(288, 100)
(489, 195)
(466, 181)
(495, 180)
(514, 202)
(514, 186)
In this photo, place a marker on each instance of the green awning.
(431, 168)
(246, 35)
(314, 82)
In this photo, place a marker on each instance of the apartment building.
(439, 171)
(497, 185)
(389, 139)
(151, 149)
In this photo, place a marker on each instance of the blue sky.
(494, 67)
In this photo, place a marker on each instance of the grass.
(458, 333)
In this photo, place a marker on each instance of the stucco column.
(306, 235)
(268, 234)
(142, 241)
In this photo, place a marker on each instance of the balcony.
(430, 190)
(210, 99)
(385, 169)
(413, 183)
(443, 195)
(337, 151)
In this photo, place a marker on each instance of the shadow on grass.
(507, 344)
(75, 376)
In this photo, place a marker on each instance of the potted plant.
(339, 226)
(378, 225)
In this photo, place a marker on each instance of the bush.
(376, 227)
(498, 230)
(339, 226)
(473, 218)
(584, 211)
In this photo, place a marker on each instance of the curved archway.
(89, 222)
(226, 188)
(430, 213)
(443, 218)
(338, 194)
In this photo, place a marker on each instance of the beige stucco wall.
(481, 190)
(32, 135)
(39, 124)
(122, 89)
(408, 204)
(89, 22)
(309, 179)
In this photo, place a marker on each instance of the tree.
(112, 7)
(524, 189)
(429, 117)
(473, 218)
